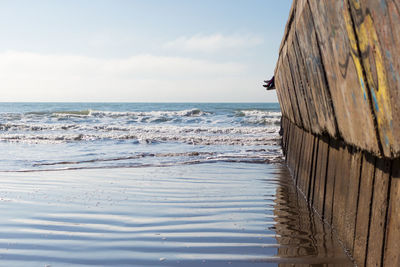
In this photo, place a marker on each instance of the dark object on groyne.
(338, 84)
(270, 84)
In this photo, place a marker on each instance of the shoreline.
(225, 213)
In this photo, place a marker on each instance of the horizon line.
(161, 102)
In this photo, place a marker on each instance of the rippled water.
(215, 214)
(113, 135)
(130, 184)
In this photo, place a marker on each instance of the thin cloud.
(213, 43)
(38, 77)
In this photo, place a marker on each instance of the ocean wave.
(43, 120)
(138, 116)
(9, 127)
(135, 136)
(116, 114)
(125, 158)
(259, 117)
(170, 159)
(182, 113)
(190, 126)
(147, 137)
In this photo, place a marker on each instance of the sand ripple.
(230, 214)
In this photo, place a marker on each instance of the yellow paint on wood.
(368, 40)
(354, 49)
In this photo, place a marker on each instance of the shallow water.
(159, 184)
(59, 136)
(211, 214)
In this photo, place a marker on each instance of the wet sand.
(222, 214)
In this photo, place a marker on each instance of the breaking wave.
(193, 126)
(117, 114)
(136, 136)
(163, 160)
(205, 135)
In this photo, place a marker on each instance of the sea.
(65, 136)
(152, 184)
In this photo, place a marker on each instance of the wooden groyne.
(338, 84)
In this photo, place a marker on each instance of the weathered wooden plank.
(313, 170)
(287, 137)
(342, 180)
(364, 209)
(320, 176)
(282, 85)
(337, 76)
(308, 163)
(292, 141)
(290, 86)
(286, 87)
(289, 129)
(300, 5)
(303, 164)
(289, 142)
(308, 44)
(299, 153)
(310, 105)
(378, 213)
(392, 246)
(292, 92)
(294, 147)
(280, 100)
(286, 91)
(347, 70)
(284, 129)
(310, 170)
(300, 160)
(281, 89)
(333, 167)
(297, 83)
(390, 40)
(283, 133)
(344, 74)
(379, 47)
(351, 199)
(318, 157)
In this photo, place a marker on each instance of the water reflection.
(303, 238)
(200, 215)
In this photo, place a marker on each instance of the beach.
(231, 214)
(130, 184)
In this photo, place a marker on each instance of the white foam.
(152, 133)
(192, 126)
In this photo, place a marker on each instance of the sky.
(139, 50)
